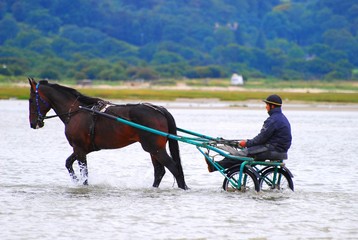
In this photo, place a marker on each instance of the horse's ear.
(32, 83)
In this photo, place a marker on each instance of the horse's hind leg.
(163, 158)
(69, 165)
(159, 171)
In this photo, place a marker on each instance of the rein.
(59, 115)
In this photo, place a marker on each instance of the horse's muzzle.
(38, 124)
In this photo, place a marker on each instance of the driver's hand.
(242, 143)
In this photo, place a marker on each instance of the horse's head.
(38, 104)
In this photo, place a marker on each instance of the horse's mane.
(80, 97)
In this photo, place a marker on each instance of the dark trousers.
(259, 153)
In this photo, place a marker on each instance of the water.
(38, 200)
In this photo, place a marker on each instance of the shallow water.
(38, 200)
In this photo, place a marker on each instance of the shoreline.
(215, 88)
(244, 105)
(238, 95)
(131, 86)
(240, 105)
(216, 103)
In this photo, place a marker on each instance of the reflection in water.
(38, 200)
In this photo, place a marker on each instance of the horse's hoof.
(74, 180)
(85, 182)
(185, 188)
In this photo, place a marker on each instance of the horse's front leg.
(69, 165)
(82, 163)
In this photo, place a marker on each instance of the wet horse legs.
(69, 162)
(82, 162)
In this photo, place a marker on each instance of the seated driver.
(271, 143)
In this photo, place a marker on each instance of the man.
(272, 142)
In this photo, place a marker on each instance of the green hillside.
(152, 39)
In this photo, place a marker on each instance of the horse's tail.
(173, 144)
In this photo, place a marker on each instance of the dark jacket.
(275, 133)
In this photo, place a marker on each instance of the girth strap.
(100, 106)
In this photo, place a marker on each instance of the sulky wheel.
(283, 180)
(249, 181)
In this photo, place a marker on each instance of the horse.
(87, 132)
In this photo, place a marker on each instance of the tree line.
(153, 39)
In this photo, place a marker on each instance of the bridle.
(40, 116)
(38, 98)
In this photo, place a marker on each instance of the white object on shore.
(237, 79)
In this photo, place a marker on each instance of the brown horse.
(87, 132)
